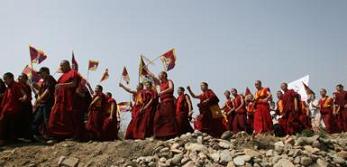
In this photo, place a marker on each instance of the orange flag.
(93, 65)
(169, 59)
(105, 76)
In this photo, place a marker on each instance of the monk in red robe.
(326, 109)
(112, 119)
(208, 122)
(62, 121)
(262, 117)
(165, 117)
(25, 116)
(143, 122)
(304, 118)
(239, 122)
(96, 114)
(138, 103)
(290, 115)
(2, 89)
(340, 101)
(229, 110)
(250, 107)
(11, 105)
(184, 112)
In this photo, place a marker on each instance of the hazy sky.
(226, 43)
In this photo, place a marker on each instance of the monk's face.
(284, 86)
(97, 90)
(180, 92)
(64, 66)
(148, 86)
(162, 76)
(227, 94)
(339, 88)
(257, 84)
(323, 92)
(279, 95)
(234, 92)
(8, 80)
(203, 87)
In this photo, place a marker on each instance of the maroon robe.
(164, 119)
(205, 122)
(290, 122)
(341, 117)
(262, 118)
(109, 128)
(230, 114)
(25, 116)
(239, 121)
(143, 122)
(10, 107)
(182, 111)
(62, 121)
(134, 110)
(96, 117)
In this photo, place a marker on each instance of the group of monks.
(68, 108)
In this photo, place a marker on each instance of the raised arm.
(191, 93)
(155, 78)
(190, 108)
(127, 89)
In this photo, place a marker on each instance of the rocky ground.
(189, 150)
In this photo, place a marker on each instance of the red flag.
(74, 63)
(143, 70)
(125, 75)
(169, 59)
(32, 74)
(307, 89)
(36, 55)
(93, 65)
(247, 92)
(124, 106)
(105, 76)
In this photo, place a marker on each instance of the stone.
(310, 149)
(279, 146)
(200, 140)
(342, 154)
(226, 135)
(297, 160)
(305, 161)
(251, 153)
(231, 164)
(321, 163)
(339, 160)
(70, 162)
(284, 163)
(196, 147)
(224, 144)
(225, 156)
(269, 153)
(241, 160)
(176, 160)
(189, 164)
(215, 156)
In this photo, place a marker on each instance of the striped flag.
(169, 59)
(36, 55)
(32, 74)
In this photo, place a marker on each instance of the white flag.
(298, 87)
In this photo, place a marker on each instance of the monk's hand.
(188, 88)
(121, 85)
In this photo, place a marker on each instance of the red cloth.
(341, 101)
(230, 114)
(304, 119)
(165, 117)
(96, 117)
(239, 121)
(290, 118)
(9, 109)
(24, 121)
(205, 122)
(182, 111)
(326, 110)
(134, 110)
(143, 122)
(250, 116)
(109, 128)
(262, 117)
(62, 123)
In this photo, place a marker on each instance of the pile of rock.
(199, 149)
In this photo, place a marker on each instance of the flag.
(124, 106)
(147, 60)
(74, 63)
(125, 75)
(105, 76)
(143, 70)
(36, 55)
(32, 74)
(298, 87)
(247, 92)
(93, 65)
(308, 90)
(169, 59)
